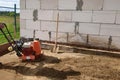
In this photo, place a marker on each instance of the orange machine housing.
(31, 52)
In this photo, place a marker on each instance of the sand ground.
(62, 66)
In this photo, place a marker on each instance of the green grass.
(10, 24)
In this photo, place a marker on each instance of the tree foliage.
(8, 13)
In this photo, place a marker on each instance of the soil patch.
(65, 66)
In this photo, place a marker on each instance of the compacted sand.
(63, 66)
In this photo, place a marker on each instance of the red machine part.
(33, 52)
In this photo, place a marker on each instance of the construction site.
(63, 40)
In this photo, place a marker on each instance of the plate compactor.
(25, 50)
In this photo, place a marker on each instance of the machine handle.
(15, 46)
(2, 25)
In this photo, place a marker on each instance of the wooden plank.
(4, 49)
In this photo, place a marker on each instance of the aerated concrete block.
(48, 26)
(92, 4)
(26, 33)
(66, 27)
(110, 30)
(77, 38)
(115, 42)
(63, 15)
(111, 5)
(22, 24)
(98, 41)
(26, 14)
(82, 16)
(104, 16)
(62, 37)
(49, 4)
(62, 27)
(118, 18)
(32, 25)
(45, 15)
(22, 4)
(42, 35)
(32, 4)
(22, 14)
(67, 4)
(89, 28)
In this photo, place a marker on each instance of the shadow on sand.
(40, 70)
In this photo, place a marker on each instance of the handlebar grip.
(2, 25)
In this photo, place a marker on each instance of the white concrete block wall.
(111, 5)
(62, 37)
(98, 41)
(66, 27)
(48, 26)
(80, 38)
(22, 24)
(32, 25)
(53, 4)
(94, 17)
(67, 4)
(62, 26)
(42, 35)
(22, 14)
(33, 4)
(26, 33)
(92, 4)
(82, 16)
(26, 14)
(63, 15)
(89, 28)
(118, 18)
(45, 15)
(104, 16)
(110, 29)
(22, 4)
(116, 42)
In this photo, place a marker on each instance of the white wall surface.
(97, 18)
